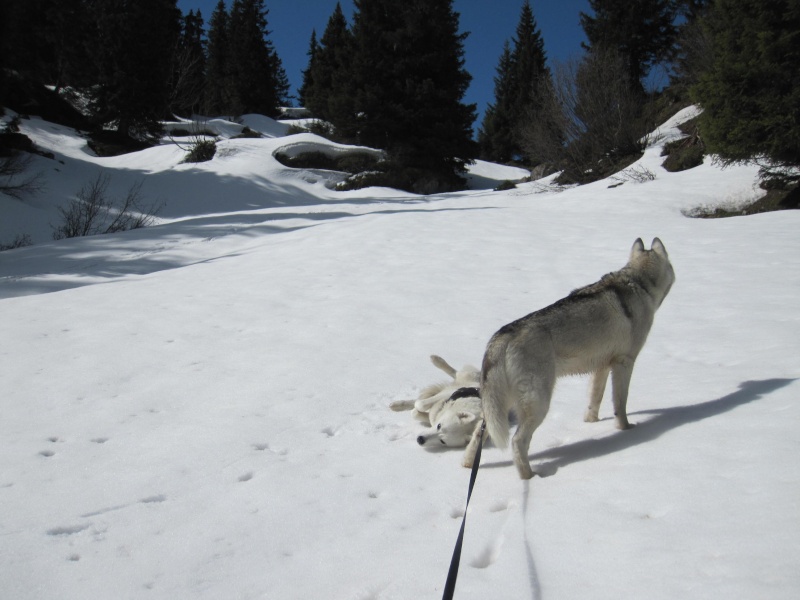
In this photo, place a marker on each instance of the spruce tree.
(217, 99)
(641, 31)
(133, 50)
(306, 88)
(520, 74)
(258, 81)
(189, 66)
(751, 95)
(329, 95)
(409, 82)
(494, 136)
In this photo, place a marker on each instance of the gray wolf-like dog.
(599, 329)
(451, 409)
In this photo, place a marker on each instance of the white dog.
(451, 409)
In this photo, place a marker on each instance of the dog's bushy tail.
(494, 392)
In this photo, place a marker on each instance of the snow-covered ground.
(198, 410)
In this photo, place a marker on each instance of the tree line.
(587, 116)
(137, 63)
(394, 77)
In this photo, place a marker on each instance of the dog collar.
(465, 392)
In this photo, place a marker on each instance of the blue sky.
(490, 23)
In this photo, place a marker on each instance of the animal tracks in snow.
(54, 439)
(491, 550)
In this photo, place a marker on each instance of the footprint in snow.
(68, 529)
(154, 499)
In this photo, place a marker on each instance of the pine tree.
(329, 95)
(307, 86)
(133, 50)
(520, 73)
(258, 81)
(642, 31)
(189, 66)
(409, 77)
(751, 95)
(693, 48)
(217, 99)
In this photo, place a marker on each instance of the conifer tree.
(329, 95)
(258, 81)
(409, 78)
(641, 31)
(189, 66)
(306, 87)
(133, 50)
(217, 99)
(751, 94)
(520, 73)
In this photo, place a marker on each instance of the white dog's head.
(455, 422)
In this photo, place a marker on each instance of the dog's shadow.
(664, 420)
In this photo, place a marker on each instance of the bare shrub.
(15, 158)
(635, 174)
(93, 213)
(20, 241)
(592, 116)
(13, 182)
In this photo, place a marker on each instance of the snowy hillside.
(211, 421)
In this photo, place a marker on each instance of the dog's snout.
(421, 440)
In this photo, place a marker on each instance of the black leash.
(452, 574)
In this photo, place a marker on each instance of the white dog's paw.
(400, 405)
(591, 417)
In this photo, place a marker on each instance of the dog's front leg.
(472, 447)
(620, 383)
(598, 388)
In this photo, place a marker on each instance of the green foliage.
(130, 53)
(188, 67)
(408, 82)
(505, 186)
(245, 74)
(519, 75)
(326, 90)
(201, 151)
(751, 95)
(642, 32)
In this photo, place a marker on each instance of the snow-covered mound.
(212, 421)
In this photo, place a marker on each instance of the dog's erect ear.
(659, 248)
(638, 248)
(466, 417)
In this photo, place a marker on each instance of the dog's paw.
(401, 405)
(590, 417)
(466, 463)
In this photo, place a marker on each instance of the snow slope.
(199, 409)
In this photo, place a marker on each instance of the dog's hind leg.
(441, 363)
(532, 407)
(598, 388)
